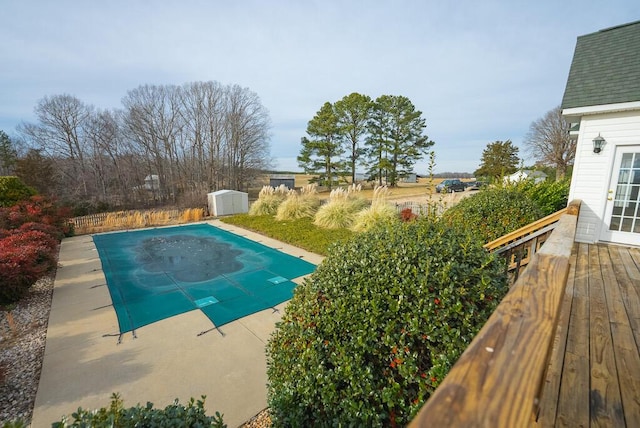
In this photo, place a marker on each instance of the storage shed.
(288, 180)
(226, 202)
(409, 178)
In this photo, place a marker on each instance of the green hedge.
(549, 195)
(368, 336)
(493, 212)
(13, 190)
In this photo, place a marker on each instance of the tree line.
(548, 142)
(167, 144)
(173, 144)
(384, 136)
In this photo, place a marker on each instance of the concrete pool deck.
(84, 364)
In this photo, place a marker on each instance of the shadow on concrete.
(100, 367)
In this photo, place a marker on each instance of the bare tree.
(187, 139)
(247, 125)
(114, 174)
(203, 108)
(59, 133)
(153, 122)
(548, 142)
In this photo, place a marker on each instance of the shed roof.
(227, 192)
(605, 68)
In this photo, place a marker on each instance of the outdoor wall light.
(598, 144)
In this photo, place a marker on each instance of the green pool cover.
(154, 274)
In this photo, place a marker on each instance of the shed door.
(622, 214)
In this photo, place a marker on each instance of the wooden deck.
(593, 378)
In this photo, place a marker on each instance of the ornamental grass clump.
(341, 209)
(299, 205)
(371, 333)
(380, 211)
(269, 199)
(191, 214)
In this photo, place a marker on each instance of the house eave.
(600, 109)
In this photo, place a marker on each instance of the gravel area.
(23, 332)
(261, 420)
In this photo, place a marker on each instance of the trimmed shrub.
(44, 228)
(174, 415)
(550, 196)
(12, 218)
(37, 209)
(25, 257)
(493, 212)
(368, 337)
(13, 190)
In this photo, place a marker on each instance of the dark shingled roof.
(605, 68)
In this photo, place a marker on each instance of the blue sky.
(479, 71)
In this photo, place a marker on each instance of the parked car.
(450, 186)
(475, 185)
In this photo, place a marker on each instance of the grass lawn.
(301, 233)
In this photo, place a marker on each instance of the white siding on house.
(592, 172)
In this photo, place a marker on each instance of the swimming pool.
(153, 274)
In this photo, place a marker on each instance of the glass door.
(623, 200)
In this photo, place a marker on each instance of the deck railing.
(498, 379)
(519, 246)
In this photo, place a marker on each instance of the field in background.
(424, 188)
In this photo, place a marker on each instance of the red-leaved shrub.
(37, 209)
(25, 257)
(407, 215)
(50, 230)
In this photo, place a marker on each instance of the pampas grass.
(380, 211)
(296, 206)
(341, 209)
(192, 214)
(269, 199)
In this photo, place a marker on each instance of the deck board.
(593, 377)
(574, 362)
(626, 351)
